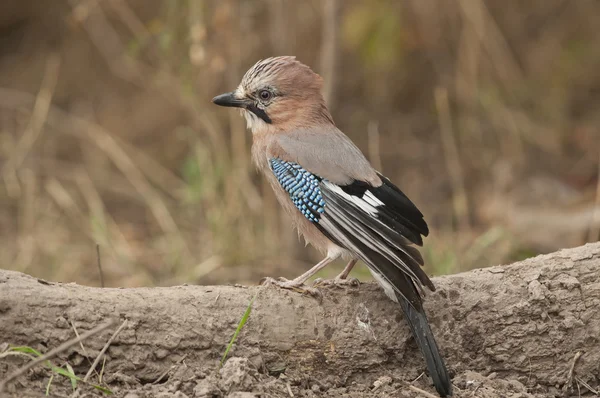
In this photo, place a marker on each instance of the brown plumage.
(337, 201)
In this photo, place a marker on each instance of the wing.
(328, 153)
(377, 224)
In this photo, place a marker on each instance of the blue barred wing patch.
(302, 186)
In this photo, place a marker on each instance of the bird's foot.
(338, 282)
(297, 286)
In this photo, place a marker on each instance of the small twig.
(77, 334)
(289, 389)
(586, 385)
(87, 356)
(569, 382)
(418, 377)
(99, 262)
(422, 392)
(89, 373)
(63, 347)
(166, 372)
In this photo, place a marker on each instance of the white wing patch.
(372, 200)
(374, 240)
(365, 205)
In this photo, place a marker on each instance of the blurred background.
(484, 112)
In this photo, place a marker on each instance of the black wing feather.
(400, 205)
(377, 236)
(377, 231)
(378, 225)
(398, 212)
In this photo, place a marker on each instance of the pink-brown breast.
(264, 148)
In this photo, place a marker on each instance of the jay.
(337, 201)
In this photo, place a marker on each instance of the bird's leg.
(346, 271)
(297, 283)
(341, 279)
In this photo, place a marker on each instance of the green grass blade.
(57, 370)
(239, 328)
(102, 370)
(9, 353)
(26, 350)
(49, 384)
(73, 380)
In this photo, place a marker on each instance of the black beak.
(229, 99)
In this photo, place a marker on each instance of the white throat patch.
(253, 122)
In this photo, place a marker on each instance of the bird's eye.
(265, 95)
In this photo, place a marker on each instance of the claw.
(292, 285)
(338, 282)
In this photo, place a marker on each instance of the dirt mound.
(525, 330)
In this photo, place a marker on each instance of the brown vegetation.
(525, 330)
(483, 112)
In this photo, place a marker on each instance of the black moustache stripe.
(260, 113)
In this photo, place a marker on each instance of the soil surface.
(506, 331)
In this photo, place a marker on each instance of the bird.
(338, 202)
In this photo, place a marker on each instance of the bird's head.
(278, 93)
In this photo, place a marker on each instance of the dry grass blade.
(130, 19)
(289, 389)
(568, 384)
(594, 231)
(108, 42)
(329, 48)
(77, 334)
(469, 53)
(87, 356)
(28, 216)
(41, 108)
(66, 202)
(460, 200)
(50, 354)
(493, 40)
(110, 233)
(169, 182)
(104, 140)
(107, 143)
(99, 262)
(97, 360)
(586, 385)
(374, 145)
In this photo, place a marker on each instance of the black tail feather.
(381, 238)
(419, 326)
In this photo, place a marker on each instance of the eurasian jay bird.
(338, 202)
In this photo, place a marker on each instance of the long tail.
(419, 326)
